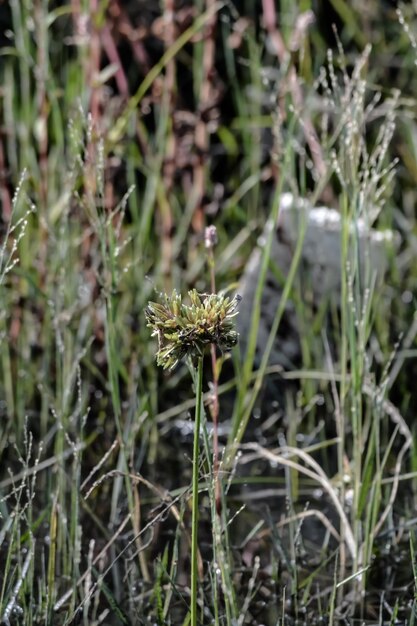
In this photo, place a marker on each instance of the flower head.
(186, 329)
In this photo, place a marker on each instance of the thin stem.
(214, 406)
(194, 521)
(215, 417)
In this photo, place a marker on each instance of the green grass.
(108, 176)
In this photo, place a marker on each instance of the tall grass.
(109, 175)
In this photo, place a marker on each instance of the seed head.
(187, 329)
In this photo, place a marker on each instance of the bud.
(210, 237)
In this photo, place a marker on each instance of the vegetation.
(126, 130)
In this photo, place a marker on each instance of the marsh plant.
(185, 330)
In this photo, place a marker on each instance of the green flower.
(187, 329)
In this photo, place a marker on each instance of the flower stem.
(194, 521)
(211, 239)
(215, 417)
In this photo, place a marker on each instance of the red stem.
(214, 407)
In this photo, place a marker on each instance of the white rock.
(320, 267)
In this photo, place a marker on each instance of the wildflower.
(185, 330)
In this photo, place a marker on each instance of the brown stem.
(214, 406)
(112, 53)
(171, 147)
(269, 18)
(215, 418)
(206, 98)
(6, 200)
